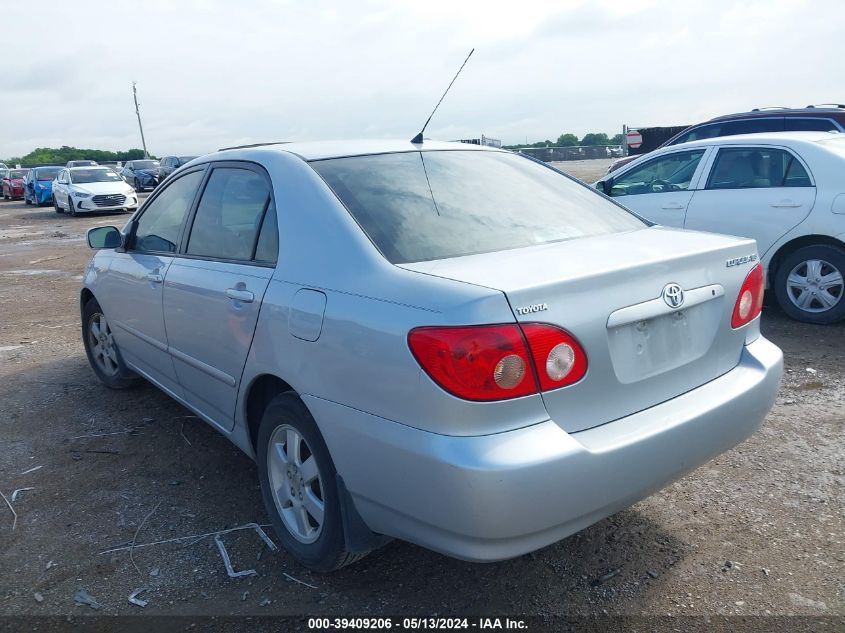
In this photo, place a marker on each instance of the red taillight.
(558, 358)
(492, 362)
(749, 303)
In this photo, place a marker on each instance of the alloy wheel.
(297, 486)
(102, 344)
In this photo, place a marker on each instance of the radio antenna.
(418, 139)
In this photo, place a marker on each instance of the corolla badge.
(673, 295)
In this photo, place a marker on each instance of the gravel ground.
(758, 531)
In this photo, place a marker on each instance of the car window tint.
(229, 214)
(672, 172)
(751, 126)
(159, 225)
(267, 249)
(756, 167)
(816, 124)
(419, 206)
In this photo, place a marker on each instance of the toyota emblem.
(673, 295)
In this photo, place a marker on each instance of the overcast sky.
(212, 73)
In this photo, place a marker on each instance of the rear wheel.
(809, 284)
(102, 351)
(299, 486)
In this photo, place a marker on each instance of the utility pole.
(138, 113)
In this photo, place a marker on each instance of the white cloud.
(212, 73)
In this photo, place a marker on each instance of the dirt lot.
(758, 531)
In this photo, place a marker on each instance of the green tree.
(567, 140)
(595, 138)
(616, 140)
(61, 155)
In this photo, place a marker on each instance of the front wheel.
(299, 486)
(56, 205)
(102, 351)
(137, 185)
(809, 284)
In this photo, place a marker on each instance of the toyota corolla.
(447, 344)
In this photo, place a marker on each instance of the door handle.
(155, 278)
(673, 206)
(244, 296)
(786, 204)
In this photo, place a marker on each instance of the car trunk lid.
(608, 292)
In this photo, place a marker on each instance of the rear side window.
(420, 206)
(757, 167)
(731, 128)
(267, 249)
(814, 124)
(159, 226)
(229, 214)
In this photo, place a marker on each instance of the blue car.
(38, 185)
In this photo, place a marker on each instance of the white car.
(785, 189)
(89, 189)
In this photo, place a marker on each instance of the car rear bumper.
(492, 497)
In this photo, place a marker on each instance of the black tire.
(26, 200)
(56, 206)
(834, 258)
(71, 209)
(124, 377)
(137, 186)
(328, 552)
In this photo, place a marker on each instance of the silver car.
(448, 344)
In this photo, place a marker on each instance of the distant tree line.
(571, 140)
(61, 155)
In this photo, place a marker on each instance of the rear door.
(213, 290)
(753, 191)
(132, 289)
(660, 189)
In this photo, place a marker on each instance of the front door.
(760, 192)
(660, 189)
(213, 290)
(132, 288)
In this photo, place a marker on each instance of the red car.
(12, 184)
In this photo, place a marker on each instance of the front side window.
(672, 172)
(159, 226)
(420, 206)
(756, 167)
(229, 214)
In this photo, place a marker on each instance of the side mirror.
(104, 237)
(604, 186)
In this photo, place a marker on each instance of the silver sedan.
(443, 343)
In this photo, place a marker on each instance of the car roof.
(87, 167)
(787, 112)
(768, 138)
(319, 150)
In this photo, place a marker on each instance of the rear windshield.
(419, 206)
(145, 164)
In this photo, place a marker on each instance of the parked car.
(141, 174)
(38, 185)
(92, 189)
(169, 164)
(449, 344)
(785, 190)
(12, 184)
(81, 163)
(809, 119)
(3, 167)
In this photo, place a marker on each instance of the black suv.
(169, 164)
(819, 118)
